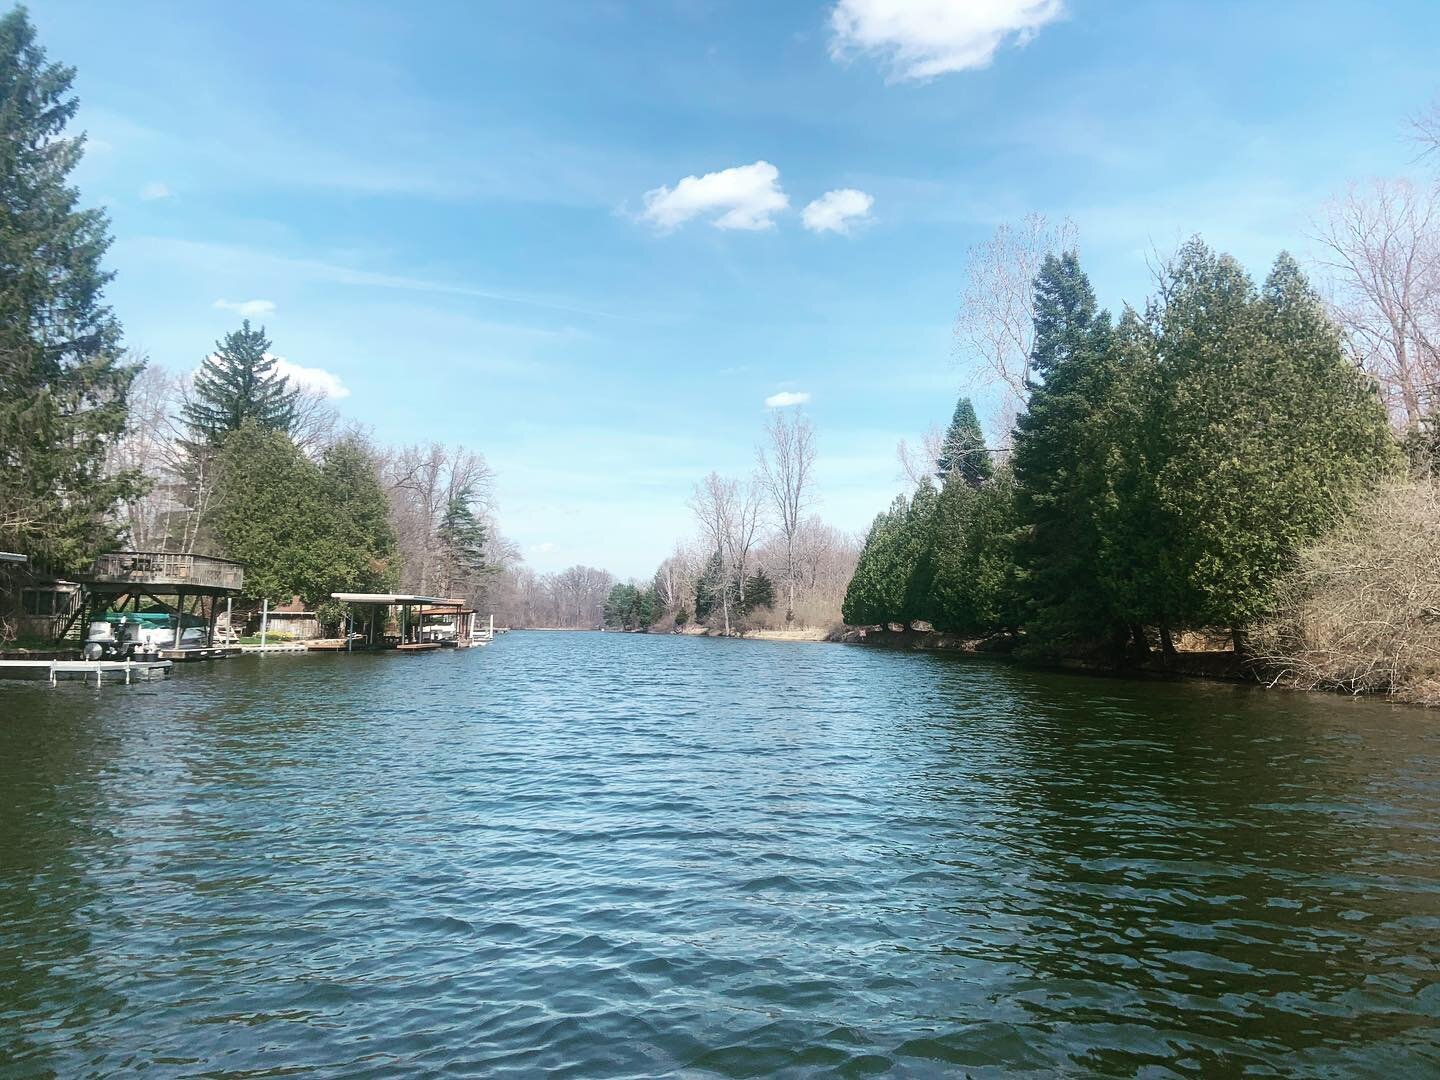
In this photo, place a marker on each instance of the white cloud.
(924, 38)
(250, 309)
(311, 378)
(156, 190)
(835, 210)
(786, 398)
(743, 197)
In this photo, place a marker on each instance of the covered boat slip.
(182, 589)
(421, 623)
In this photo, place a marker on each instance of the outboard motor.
(110, 641)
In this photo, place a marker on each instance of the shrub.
(1361, 610)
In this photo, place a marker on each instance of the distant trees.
(717, 506)
(439, 504)
(63, 377)
(631, 607)
(238, 383)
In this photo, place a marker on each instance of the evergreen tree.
(870, 597)
(270, 515)
(63, 386)
(356, 529)
(759, 592)
(963, 452)
(1061, 459)
(708, 586)
(914, 558)
(462, 539)
(238, 382)
(1267, 432)
(976, 589)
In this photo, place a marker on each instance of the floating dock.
(102, 671)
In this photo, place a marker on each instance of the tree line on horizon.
(760, 559)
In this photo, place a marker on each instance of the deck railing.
(168, 568)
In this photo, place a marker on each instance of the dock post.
(52, 673)
(264, 621)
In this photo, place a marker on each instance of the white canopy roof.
(393, 598)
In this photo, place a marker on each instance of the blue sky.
(444, 205)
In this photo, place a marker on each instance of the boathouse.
(188, 591)
(371, 616)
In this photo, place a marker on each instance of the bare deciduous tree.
(1384, 250)
(786, 469)
(715, 504)
(994, 331)
(918, 464)
(421, 482)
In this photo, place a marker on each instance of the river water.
(608, 855)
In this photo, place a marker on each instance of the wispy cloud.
(920, 39)
(742, 197)
(835, 211)
(156, 190)
(250, 309)
(264, 262)
(786, 398)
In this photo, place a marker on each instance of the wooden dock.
(102, 671)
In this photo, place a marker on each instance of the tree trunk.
(1240, 638)
(1167, 645)
(1141, 640)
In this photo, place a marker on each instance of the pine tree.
(462, 539)
(708, 586)
(759, 592)
(914, 559)
(238, 382)
(1061, 459)
(963, 452)
(63, 386)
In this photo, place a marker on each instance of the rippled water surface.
(599, 855)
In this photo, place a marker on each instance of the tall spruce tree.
(238, 382)
(462, 539)
(963, 454)
(1061, 460)
(63, 386)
